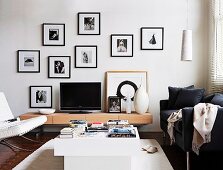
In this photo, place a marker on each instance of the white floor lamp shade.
(186, 53)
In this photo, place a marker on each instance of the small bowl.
(47, 111)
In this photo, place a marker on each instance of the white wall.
(20, 28)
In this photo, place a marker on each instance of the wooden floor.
(177, 158)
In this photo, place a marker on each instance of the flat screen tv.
(80, 96)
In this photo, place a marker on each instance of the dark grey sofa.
(183, 130)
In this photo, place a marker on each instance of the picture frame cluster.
(85, 56)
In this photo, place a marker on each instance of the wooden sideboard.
(64, 118)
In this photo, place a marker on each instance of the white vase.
(141, 100)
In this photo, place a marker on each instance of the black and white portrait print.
(59, 67)
(86, 56)
(53, 34)
(152, 40)
(121, 45)
(29, 61)
(41, 96)
(114, 104)
(89, 23)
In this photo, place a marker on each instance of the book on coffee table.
(122, 133)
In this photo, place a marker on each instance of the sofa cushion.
(173, 93)
(217, 99)
(208, 98)
(164, 114)
(189, 97)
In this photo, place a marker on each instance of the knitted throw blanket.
(204, 118)
(175, 116)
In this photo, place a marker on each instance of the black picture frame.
(120, 45)
(58, 66)
(89, 18)
(40, 96)
(28, 61)
(53, 34)
(148, 39)
(85, 51)
(114, 104)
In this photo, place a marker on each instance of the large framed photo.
(40, 96)
(59, 67)
(86, 56)
(121, 45)
(28, 61)
(124, 84)
(114, 104)
(152, 38)
(89, 23)
(53, 34)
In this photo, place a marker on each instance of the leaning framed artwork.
(28, 61)
(89, 23)
(124, 84)
(152, 38)
(59, 67)
(53, 34)
(86, 56)
(40, 96)
(121, 45)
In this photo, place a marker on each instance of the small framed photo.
(152, 38)
(114, 104)
(86, 56)
(53, 34)
(59, 67)
(28, 61)
(89, 23)
(40, 96)
(121, 45)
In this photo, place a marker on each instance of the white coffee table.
(99, 153)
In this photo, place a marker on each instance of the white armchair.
(10, 127)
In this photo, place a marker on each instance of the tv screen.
(80, 96)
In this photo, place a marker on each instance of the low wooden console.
(64, 118)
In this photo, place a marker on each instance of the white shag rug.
(44, 159)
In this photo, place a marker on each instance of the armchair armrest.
(164, 104)
(187, 127)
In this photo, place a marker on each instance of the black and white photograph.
(40, 96)
(152, 38)
(86, 56)
(28, 61)
(114, 105)
(89, 23)
(53, 34)
(59, 67)
(122, 45)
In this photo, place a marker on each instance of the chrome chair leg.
(188, 160)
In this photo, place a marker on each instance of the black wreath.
(119, 94)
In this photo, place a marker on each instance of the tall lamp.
(186, 51)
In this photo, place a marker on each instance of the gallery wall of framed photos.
(85, 56)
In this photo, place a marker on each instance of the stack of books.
(117, 122)
(125, 132)
(78, 123)
(66, 132)
(97, 127)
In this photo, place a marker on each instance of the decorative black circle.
(119, 94)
